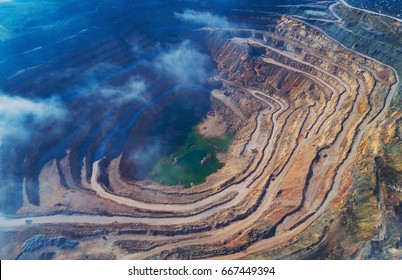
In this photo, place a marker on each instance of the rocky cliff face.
(372, 194)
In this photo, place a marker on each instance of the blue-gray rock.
(40, 241)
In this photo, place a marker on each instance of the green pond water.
(192, 162)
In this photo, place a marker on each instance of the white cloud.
(132, 90)
(203, 18)
(96, 89)
(184, 63)
(19, 117)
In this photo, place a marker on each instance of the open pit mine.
(197, 130)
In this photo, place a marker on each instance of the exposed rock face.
(40, 241)
(305, 110)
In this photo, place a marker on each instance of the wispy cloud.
(19, 117)
(184, 63)
(133, 90)
(95, 89)
(203, 18)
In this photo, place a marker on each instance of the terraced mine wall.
(303, 108)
